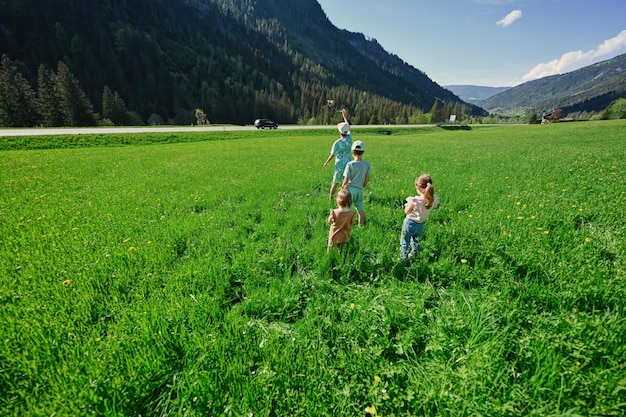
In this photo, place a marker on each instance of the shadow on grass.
(354, 266)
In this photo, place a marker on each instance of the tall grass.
(192, 279)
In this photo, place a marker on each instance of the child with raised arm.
(356, 177)
(340, 151)
(417, 210)
(341, 220)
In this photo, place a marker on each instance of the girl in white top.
(417, 210)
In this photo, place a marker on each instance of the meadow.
(187, 275)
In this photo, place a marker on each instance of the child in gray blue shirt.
(356, 177)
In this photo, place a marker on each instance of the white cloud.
(510, 18)
(571, 61)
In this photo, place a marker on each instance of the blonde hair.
(425, 185)
(344, 198)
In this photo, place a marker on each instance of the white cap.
(344, 128)
(358, 146)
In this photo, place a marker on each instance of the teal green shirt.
(342, 149)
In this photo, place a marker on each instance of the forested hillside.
(161, 61)
(589, 89)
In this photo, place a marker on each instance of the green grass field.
(186, 275)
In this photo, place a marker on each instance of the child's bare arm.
(409, 206)
(343, 113)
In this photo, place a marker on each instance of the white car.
(263, 123)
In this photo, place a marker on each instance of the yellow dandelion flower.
(494, 298)
(505, 233)
(545, 232)
(533, 217)
(67, 282)
(352, 306)
(371, 411)
(282, 258)
(519, 203)
(580, 209)
(132, 249)
(377, 378)
(520, 217)
(463, 261)
(471, 216)
(577, 363)
(149, 242)
(587, 239)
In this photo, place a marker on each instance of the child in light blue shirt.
(341, 152)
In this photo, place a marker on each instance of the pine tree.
(49, 101)
(76, 108)
(107, 103)
(18, 102)
(114, 108)
(434, 112)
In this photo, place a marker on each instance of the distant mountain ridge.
(475, 93)
(588, 89)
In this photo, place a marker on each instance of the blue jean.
(410, 238)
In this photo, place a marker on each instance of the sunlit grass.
(192, 278)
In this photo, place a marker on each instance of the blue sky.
(488, 42)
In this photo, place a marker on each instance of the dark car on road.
(263, 123)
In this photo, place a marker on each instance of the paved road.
(113, 130)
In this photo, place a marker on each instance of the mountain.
(474, 93)
(235, 60)
(589, 89)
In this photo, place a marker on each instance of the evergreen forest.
(136, 62)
